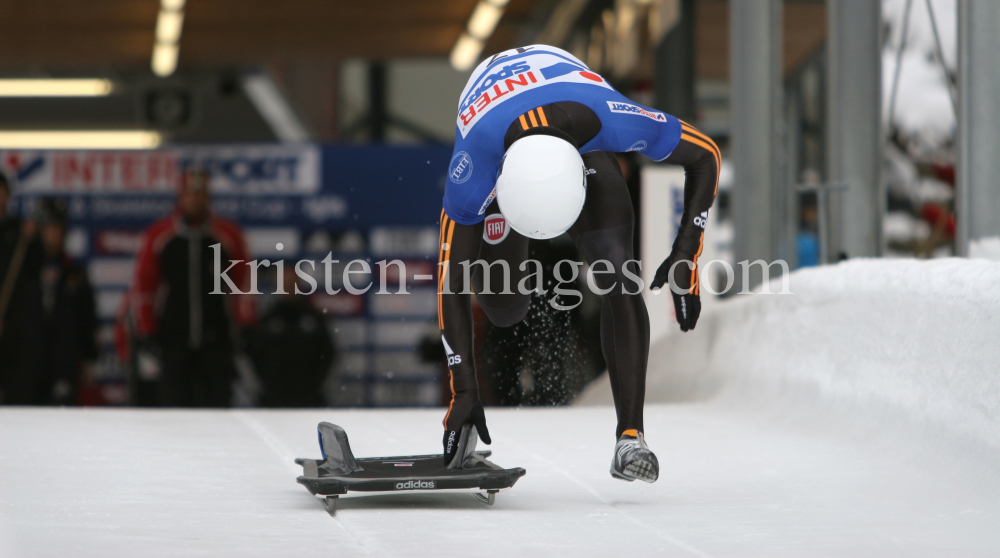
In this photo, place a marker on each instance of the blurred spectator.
(65, 347)
(143, 383)
(187, 332)
(807, 238)
(291, 349)
(20, 259)
(943, 228)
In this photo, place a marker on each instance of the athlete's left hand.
(683, 288)
(465, 408)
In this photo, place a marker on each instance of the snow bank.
(906, 338)
(987, 248)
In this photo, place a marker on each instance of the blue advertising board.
(371, 203)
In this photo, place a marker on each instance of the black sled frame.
(339, 472)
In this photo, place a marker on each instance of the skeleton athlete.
(535, 143)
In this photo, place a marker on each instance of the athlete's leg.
(503, 250)
(604, 232)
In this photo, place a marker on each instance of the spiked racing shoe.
(633, 460)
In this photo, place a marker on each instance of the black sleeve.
(701, 160)
(457, 243)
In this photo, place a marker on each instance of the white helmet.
(542, 186)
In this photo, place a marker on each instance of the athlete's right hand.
(680, 274)
(465, 408)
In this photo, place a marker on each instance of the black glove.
(465, 408)
(687, 302)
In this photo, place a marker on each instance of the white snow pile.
(923, 110)
(916, 340)
(987, 248)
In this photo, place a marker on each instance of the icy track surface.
(113, 483)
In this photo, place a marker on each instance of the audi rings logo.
(414, 485)
(461, 167)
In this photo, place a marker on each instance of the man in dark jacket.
(174, 313)
(20, 260)
(65, 347)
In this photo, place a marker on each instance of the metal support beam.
(674, 79)
(756, 112)
(793, 152)
(978, 202)
(854, 128)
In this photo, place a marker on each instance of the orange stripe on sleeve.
(531, 115)
(524, 123)
(718, 160)
(691, 134)
(694, 270)
(541, 116)
(451, 383)
(442, 268)
(691, 130)
(711, 144)
(699, 142)
(444, 216)
(446, 255)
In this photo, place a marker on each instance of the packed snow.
(117, 483)
(858, 416)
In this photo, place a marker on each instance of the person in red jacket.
(192, 331)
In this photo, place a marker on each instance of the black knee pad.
(615, 247)
(504, 310)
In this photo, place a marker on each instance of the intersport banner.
(234, 169)
(304, 186)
